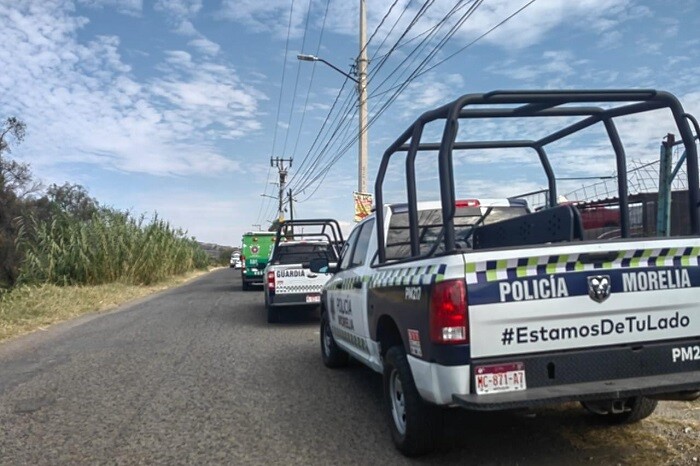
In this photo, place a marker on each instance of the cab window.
(346, 252)
(360, 253)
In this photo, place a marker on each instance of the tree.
(15, 177)
(73, 199)
(11, 127)
(15, 182)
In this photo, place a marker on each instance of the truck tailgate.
(295, 278)
(581, 296)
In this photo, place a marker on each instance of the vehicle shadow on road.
(556, 436)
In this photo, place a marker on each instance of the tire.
(332, 355)
(245, 286)
(273, 315)
(640, 408)
(415, 425)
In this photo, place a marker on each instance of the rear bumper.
(601, 390)
(253, 278)
(650, 369)
(291, 299)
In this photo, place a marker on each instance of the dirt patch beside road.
(671, 436)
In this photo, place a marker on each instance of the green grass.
(109, 247)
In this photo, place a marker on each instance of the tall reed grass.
(110, 247)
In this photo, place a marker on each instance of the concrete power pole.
(279, 163)
(362, 99)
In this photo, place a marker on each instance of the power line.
(318, 157)
(321, 174)
(413, 55)
(279, 103)
(296, 81)
(311, 79)
(418, 71)
(452, 55)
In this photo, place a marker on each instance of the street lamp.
(362, 98)
(305, 57)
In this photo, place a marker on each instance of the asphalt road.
(195, 375)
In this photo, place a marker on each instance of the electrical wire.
(462, 49)
(417, 72)
(279, 106)
(420, 13)
(296, 82)
(309, 180)
(311, 79)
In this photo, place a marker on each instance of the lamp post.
(362, 101)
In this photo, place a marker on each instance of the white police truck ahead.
(288, 282)
(486, 305)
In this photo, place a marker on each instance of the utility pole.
(362, 97)
(282, 170)
(361, 81)
(291, 209)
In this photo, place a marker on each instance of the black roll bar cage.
(531, 103)
(328, 226)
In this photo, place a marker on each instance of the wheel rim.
(327, 338)
(398, 402)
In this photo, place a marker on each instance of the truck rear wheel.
(331, 354)
(414, 424)
(626, 411)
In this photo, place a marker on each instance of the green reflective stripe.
(491, 275)
(493, 271)
(342, 334)
(406, 276)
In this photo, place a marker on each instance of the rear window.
(301, 253)
(398, 245)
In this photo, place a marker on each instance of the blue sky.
(174, 106)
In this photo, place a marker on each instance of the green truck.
(255, 252)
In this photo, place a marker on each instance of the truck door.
(349, 294)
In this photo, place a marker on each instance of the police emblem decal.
(599, 287)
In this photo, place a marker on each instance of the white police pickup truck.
(486, 305)
(288, 282)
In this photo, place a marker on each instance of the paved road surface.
(195, 375)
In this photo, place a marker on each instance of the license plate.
(500, 378)
(313, 299)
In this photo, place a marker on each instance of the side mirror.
(321, 266)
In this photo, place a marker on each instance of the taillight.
(449, 322)
(242, 261)
(467, 203)
(271, 281)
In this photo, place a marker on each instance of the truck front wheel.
(626, 411)
(414, 424)
(331, 354)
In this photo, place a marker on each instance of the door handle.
(357, 285)
(312, 275)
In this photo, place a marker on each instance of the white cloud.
(82, 104)
(205, 46)
(553, 67)
(267, 16)
(179, 8)
(429, 91)
(130, 7)
(525, 29)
